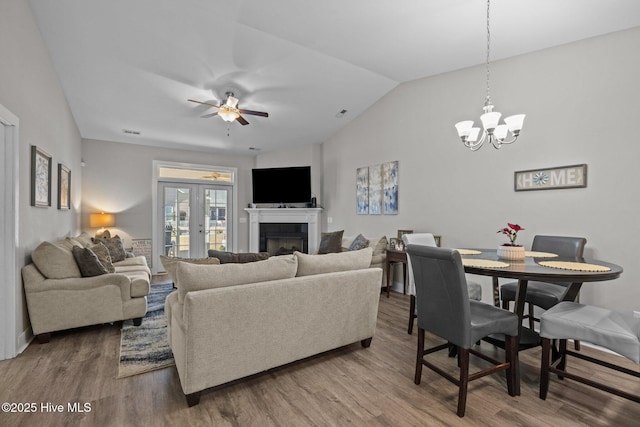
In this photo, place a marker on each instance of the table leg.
(388, 276)
(521, 292)
(404, 278)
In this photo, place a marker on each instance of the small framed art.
(64, 187)
(40, 178)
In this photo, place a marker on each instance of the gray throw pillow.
(331, 242)
(233, 258)
(102, 253)
(115, 245)
(358, 243)
(88, 262)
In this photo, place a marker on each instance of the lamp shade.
(101, 220)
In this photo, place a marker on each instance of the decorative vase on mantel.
(511, 252)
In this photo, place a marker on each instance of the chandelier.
(496, 134)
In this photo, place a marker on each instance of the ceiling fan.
(229, 110)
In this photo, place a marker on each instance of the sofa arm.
(81, 284)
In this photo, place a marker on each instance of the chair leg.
(544, 368)
(563, 357)
(412, 310)
(496, 292)
(505, 304)
(576, 345)
(419, 356)
(511, 356)
(531, 316)
(463, 354)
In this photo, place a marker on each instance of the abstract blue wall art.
(362, 191)
(390, 187)
(375, 190)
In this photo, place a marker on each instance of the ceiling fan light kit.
(229, 110)
(495, 133)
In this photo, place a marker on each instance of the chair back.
(442, 297)
(566, 247)
(423, 239)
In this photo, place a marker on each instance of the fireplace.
(288, 228)
(284, 238)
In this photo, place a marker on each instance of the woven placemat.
(575, 266)
(535, 254)
(468, 252)
(468, 262)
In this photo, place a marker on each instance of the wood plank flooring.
(348, 386)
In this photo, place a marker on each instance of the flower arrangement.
(512, 233)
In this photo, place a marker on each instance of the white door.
(6, 311)
(194, 218)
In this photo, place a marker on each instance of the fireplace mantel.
(310, 216)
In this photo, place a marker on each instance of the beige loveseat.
(59, 298)
(230, 321)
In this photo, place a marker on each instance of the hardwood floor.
(349, 386)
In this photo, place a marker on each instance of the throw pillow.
(88, 262)
(230, 257)
(381, 246)
(115, 245)
(358, 243)
(84, 238)
(55, 262)
(171, 263)
(331, 242)
(192, 277)
(102, 253)
(344, 261)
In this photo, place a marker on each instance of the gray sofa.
(230, 321)
(59, 298)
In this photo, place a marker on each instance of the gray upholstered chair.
(427, 239)
(445, 310)
(545, 295)
(570, 320)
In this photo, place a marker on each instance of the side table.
(396, 256)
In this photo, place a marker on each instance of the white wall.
(582, 102)
(30, 89)
(118, 178)
(306, 155)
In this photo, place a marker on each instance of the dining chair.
(445, 310)
(615, 331)
(427, 239)
(541, 294)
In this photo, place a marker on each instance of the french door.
(194, 218)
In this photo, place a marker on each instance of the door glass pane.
(215, 212)
(177, 214)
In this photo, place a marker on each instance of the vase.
(511, 252)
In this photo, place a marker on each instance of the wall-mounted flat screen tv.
(282, 185)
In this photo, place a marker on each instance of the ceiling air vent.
(131, 132)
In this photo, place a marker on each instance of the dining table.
(541, 267)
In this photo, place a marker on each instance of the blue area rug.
(145, 348)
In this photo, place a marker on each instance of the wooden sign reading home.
(574, 176)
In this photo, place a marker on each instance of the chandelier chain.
(488, 99)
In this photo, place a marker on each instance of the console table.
(396, 256)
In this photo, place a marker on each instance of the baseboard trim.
(24, 340)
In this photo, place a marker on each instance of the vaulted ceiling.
(131, 65)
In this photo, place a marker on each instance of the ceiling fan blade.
(254, 113)
(203, 103)
(242, 121)
(209, 115)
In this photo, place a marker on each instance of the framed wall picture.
(573, 176)
(64, 187)
(40, 178)
(402, 232)
(362, 191)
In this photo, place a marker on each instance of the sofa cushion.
(115, 245)
(331, 242)
(55, 262)
(328, 263)
(102, 253)
(194, 277)
(358, 243)
(88, 262)
(171, 263)
(231, 257)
